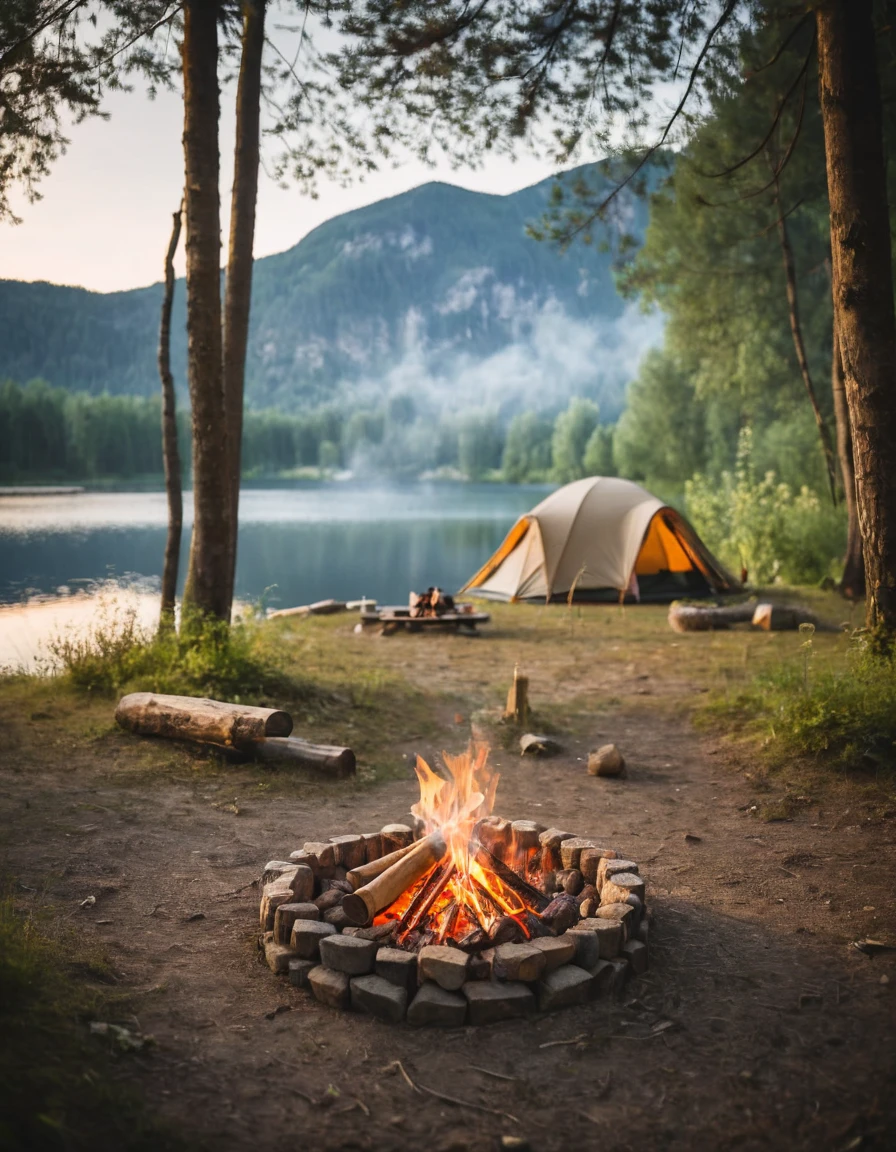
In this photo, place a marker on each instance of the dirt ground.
(758, 1026)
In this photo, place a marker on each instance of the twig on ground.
(449, 1099)
(560, 1043)
(489, 1072)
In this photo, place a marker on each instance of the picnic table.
(393, 618)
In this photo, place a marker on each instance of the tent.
(601, 538)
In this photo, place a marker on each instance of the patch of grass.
(841, 716)
(226, 663)
(60, 1085)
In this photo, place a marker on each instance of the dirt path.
(759, 1025)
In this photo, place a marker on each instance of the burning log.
(529, 895)
(364, 873)
(379, 893)
(426, 896)
(561, 913)
(195, 718)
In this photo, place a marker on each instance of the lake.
(298, 542)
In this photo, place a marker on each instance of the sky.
(104, 218)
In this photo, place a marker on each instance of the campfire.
(465, 916)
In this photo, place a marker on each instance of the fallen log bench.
(768, 617)
(200, 719)
(236, 728)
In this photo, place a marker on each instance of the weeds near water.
(229, 663)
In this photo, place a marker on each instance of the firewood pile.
(464, 917)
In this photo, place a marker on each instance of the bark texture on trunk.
(238, 283)
(207, 591)
(852, 582)
(862, 283)
(796, 328)
(170, 450)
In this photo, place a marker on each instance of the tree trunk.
(238, 284)
(170, 451)
(824, 433)
(862, 283)
(207, 591)
(852, 582)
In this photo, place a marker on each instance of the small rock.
(299, 971)
(624, 913)
(351, 851)
(572, 849)
(617, 889)
(621, 971)
(610, 935)
(587, 946)
(557, 950)
(589, 862)
(433, 1005)
(274, 869)
(506, 930)
(609, 867)
(378, 932)
(306, 938)
(324, 854)
(532, 745)
(571, 881)
(395, 836)
(490, 1002)
(561, 913)
(284, 918)
(518, 962)
(348, 954)
(606, 761)
(636, 954)
(446, 966)
(329, 987)
(337, 917)
(277, 957)
(379, 997)
(566, 986)
(329, 899)
(398, 967)
(602, 978)
(302, 884)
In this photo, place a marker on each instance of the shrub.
(763, 525)
(226, 663)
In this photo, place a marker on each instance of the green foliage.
(527, 448)
(58, 1085)
(572, 431)
(844, 718)
(762, 524)
(599, 459)
(207, 659)
(479, 445)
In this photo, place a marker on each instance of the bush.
(225, 663)
(844, 718)
(763, 525)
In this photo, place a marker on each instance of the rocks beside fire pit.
(586, 937)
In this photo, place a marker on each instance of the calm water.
(298, 543)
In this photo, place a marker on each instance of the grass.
(61, 1085)
(842, 717)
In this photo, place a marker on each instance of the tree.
(572, 432)
(505, 73)
(170, 451)
(527, 448)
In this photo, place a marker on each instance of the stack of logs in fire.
(464, 918)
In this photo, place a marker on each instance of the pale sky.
(105, 215)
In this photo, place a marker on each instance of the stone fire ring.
(306, 936)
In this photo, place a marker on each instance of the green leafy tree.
(573, 429)
(527, 448)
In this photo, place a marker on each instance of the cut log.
(376, 896)
(194, 718)
(699, 618)
(319, 608)
(517, 709)
(786, 618)
(364, 873)
(334, 761)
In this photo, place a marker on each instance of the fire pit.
(463, 918)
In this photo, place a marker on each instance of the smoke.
(550, 356)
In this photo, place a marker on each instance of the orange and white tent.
(601, 538)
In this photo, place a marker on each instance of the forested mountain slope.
(438, 292)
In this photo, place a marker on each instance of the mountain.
(438, 292)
